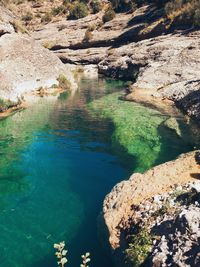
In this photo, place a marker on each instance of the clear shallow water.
(57, 162)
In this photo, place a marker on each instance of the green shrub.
(139, 247)
(127, 5)
(183, 13)
(109, 15)
(46, 18)
(121, 5)
(80, 10)
(6, 104)
(58, 10)
(66, 2)
(88, 36)
(96, 6)
(197, 18)
(27, 17)
(64, 83)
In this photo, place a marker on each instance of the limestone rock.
(6, 28)
(168, 65)
(157, 62)
(26, 66)
(186, 94)
(190, 219)
(69, 35)
(6, 15)
(5, 18)
(83, 57)
(118, 204)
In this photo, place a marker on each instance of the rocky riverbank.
(25, 65)
(139, 47)
(154, 206)
(167, 66)
(162, 66)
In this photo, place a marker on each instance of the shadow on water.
(176, 140)
(57, 139)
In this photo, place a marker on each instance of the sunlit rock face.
(119, 204)
(168, 65)
(27, 68)
(24, 64)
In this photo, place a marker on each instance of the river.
(58, 160)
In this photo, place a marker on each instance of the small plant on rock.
(57, 10)
(46, 18)
(108, 16)
(79, 10)
(27, 17)
(64, 83)
(88, 33)
(96, 6)
(139, 247)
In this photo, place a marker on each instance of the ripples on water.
(57, 163)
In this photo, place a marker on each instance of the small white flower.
(64, 252)
(57, 246)
(63, 261)
(58, 255)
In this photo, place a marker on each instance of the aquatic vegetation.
(58, 160)
(140, 131)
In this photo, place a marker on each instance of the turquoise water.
(57, 162)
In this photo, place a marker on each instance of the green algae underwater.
(145, 134)
(61, 156)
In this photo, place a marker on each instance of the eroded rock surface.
(160, 207)
(70, 35)
(117, 208)
(24, 64)
(133, 47)
(138, 47)
(166, 65)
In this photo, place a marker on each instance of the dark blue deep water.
(57, 163)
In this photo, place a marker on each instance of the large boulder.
(25, 66)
